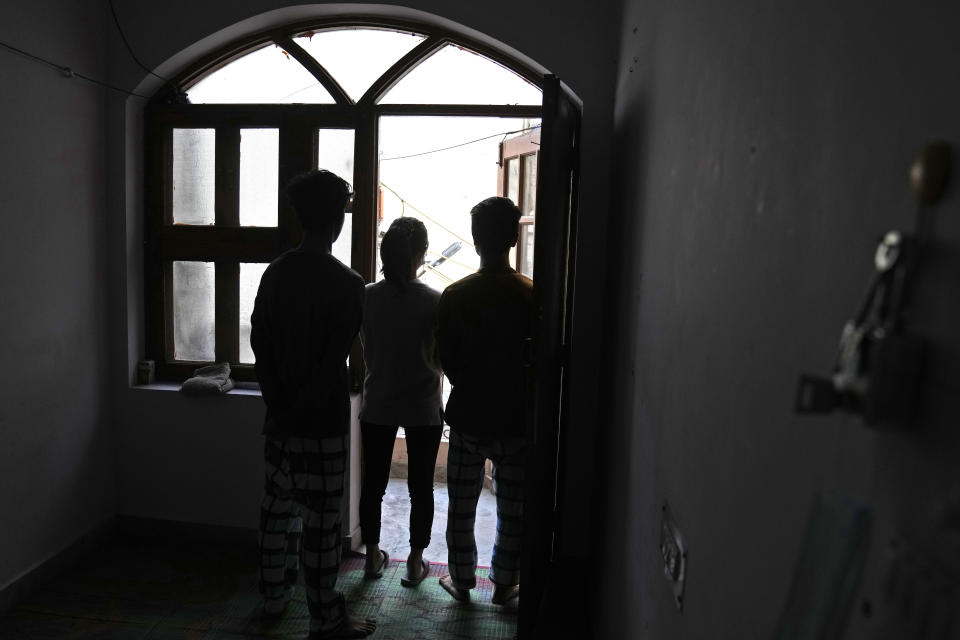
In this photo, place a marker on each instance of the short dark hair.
(319, 197)
(494, 224)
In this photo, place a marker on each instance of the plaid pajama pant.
(465, 468)
(303, 489)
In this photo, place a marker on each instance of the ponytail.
(406, 238)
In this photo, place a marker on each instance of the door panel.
(554, 266)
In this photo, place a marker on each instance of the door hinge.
(529, 352)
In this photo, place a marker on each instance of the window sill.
(241, 388)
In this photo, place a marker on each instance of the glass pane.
(529, 206)
(457, 76)
(357, 57)
(194, 311)
(513, 179)
(335, 153)
(526, 242)
(194, 176)
(259, 157)
(250, 274)
(421, 177)
(268, 75)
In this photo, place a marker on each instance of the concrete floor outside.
(395, 528)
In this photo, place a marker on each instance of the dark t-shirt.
(305, 318)
(483, 323)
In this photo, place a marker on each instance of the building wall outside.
(762, 148)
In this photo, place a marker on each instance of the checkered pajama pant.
(304, 487)
(465, 469)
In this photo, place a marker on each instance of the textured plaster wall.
(761, 150)
(56, 461)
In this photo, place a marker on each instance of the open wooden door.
(554, 269)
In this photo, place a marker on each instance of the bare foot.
(503, 595)
(351, 627)
(459, 595)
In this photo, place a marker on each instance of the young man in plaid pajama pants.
(305, 318)
(484, 321)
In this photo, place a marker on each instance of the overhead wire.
(462, 144)
(451, 260)
(290, 95)
(406, 203)
(68, 72)
(428, 269)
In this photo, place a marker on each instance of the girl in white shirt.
(401, 388)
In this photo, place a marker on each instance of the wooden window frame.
(226, 243)
(517, 148)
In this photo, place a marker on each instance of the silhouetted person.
(402, 388)
(483, 323)
(306, 316)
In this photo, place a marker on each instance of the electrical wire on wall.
(68, 72)
(179, 96)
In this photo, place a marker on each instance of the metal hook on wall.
(878, 366)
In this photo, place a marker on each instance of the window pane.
(259, 157)
(439, 187)
(268, 75)
(194, 176)
(526, 242)
(457, 76)
(513, 179)
(250, 274)
(335, 153)
(194, 309)
(357, 57)
(529, 206)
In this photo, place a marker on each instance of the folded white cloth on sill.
(211, 380)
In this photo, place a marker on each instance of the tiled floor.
(161, 590)
(395, 514)
(186, 591)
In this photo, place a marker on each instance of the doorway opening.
(435, 168)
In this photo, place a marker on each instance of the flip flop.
(379, 572)
(410, 582)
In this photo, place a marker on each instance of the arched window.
(404, 112)
(417, 120)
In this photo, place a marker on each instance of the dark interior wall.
(762, 148)
(57, 457)
(573, 40)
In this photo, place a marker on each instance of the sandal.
(380, 569)
(411, 582)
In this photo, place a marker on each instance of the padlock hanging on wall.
(879, 363)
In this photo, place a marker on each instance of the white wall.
(762, 149)
(200, 460)
(56, 460)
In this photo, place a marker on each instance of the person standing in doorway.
(402, 388)
(484, 323)
(306, 315)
